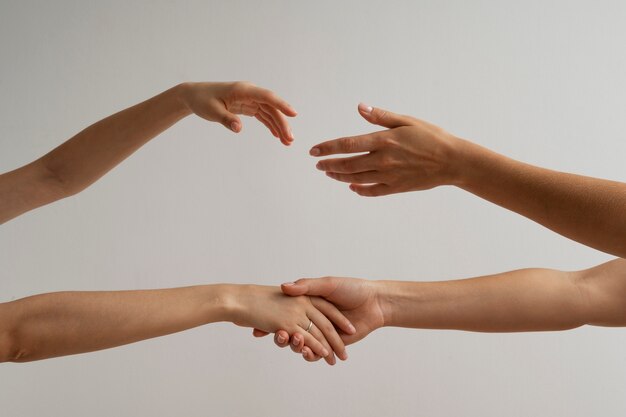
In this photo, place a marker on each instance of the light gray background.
(540, 81)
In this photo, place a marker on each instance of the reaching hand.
(411, 155)
(357, 299)
(221, 102)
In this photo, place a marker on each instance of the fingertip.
(365, 109)
(315, 151)
(235, 126)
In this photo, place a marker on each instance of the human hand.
(222, 101)
(358, 300)
(411, 155)
(268, 310)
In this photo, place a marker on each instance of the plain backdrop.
(541, 81)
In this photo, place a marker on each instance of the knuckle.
(346, 164)
(386, 161)
(388, 141)
(347, 144)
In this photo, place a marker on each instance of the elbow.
(56, 181)
(10, 349)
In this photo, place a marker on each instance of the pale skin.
(56, 324)
(66, 323)
(413, 155)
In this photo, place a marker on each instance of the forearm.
(97, 149)
(66, 323)
(589, 210)
(524, 300)
(89, 155)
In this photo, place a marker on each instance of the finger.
(281, 338)
(322, 287)
(309, 356)
(316, 346)
(229, 120)
(384, 118)
(259, 333)
(280, 120)
(348, 165)
(334, 315)
(297, 342)
(265, 96)
(318, 334)
(328, 333)
(375, 190)
(284, 138)
(267, 124)
(351, 144)
(370, 177)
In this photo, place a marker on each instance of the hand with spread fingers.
(411, 155)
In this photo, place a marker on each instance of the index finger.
(351, 144)
(265, 96)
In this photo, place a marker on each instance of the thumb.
(322, 287)
(383, 118)
(259, 333)
(229, 120)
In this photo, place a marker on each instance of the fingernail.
(325, 352)
(365, 108)
(344, 356)
(289, 284)
(234, 126)
(315, 152)
(295, 341)
(305, 354)
(319, 166)
(351, 329)
(290, 134)
(280, 339)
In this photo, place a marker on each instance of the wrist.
(222, 303)
(399, 302)
(182, 93)
(473, 164)
(463, 160)
(385, 296)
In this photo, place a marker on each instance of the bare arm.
(93, 152)
(415, 155)
(589, 210)
(66, 323)
(516, 301)
(523, 300)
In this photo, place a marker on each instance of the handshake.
(319, 317)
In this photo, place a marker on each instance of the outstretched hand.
(223, 101)
(357, 299)
(410, 155)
